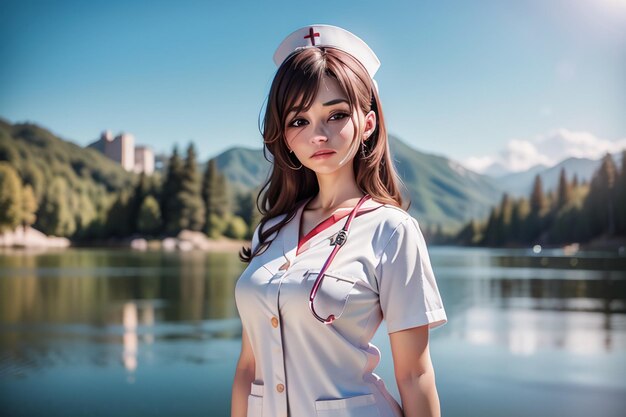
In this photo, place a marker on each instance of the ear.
(370, 124)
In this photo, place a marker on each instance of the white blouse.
(305, 368)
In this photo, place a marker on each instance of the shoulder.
(393, 222)
(392, 217)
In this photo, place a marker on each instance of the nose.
(320, 134)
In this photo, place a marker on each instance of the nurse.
(313, 295)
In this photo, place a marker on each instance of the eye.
(343, 115)
(295, 123)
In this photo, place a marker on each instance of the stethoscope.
(339, 241)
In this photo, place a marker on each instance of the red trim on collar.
(325, 224)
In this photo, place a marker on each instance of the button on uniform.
(280, 387)
(274, 322)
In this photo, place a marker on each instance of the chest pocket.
(333, 293)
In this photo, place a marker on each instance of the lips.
(323, 152)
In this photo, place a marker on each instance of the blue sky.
(515, 82)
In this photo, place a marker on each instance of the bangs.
(302, 79)
(299, 94)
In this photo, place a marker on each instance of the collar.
(292, 234)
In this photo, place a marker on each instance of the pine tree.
(504, 220)
(491, 229)
(535, 221)
(118, 218)
(516, 222)
(139, 194)
(244, 203)
(564, 191)
(214, 196)
(620, 199)
(208, 191)
(171, 209)
(537, 198)
(222, 197)
(600, 201)
(193, 212)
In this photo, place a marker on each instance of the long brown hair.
(294, 87)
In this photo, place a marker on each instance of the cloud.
(478, 163)
(547, 149)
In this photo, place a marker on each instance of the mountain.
(520, 183)
(245, 168)
(440, 190)
(496, 169)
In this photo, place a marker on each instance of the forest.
(64, 190)
(573, 213)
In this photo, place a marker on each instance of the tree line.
(572, 213)
(152, 206)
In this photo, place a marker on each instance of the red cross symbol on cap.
(312, 34)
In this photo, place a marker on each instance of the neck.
(335, 190)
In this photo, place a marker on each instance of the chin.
(325, 169)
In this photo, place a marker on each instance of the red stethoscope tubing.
(338, 243)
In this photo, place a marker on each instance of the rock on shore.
(188, 240)
(27, 237)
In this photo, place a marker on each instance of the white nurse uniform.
(305, 368)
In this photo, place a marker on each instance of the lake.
(111, 332)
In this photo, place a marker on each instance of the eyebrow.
(335, 101)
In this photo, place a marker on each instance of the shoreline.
(27, 238)
(166, 244)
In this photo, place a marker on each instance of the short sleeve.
(409, 296)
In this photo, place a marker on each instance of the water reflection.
(525, 332)
(83, 286)
(52, 301)
(155, 319)
(529, 304)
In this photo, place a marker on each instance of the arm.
(244, 375)
(414, 372)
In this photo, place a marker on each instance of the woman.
(308, 309)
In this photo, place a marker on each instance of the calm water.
(87, 332)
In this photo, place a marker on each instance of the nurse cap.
(327, 35)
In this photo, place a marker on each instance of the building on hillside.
(144, 160)
(122, 150)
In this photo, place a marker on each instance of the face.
(327, 126)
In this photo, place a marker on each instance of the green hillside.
(39, 155)
(83, 181)
(442, 191)
(245, 168)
